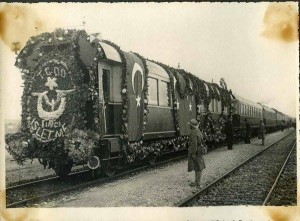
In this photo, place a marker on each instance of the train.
(86, 101)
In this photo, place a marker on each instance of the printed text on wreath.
(47, 129)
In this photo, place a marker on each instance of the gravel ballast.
(162, 186)
(285, 192)
(251, 183)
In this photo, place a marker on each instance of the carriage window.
(164, 94)
(106, 82)
(152, 90)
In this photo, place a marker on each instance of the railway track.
(284, 191)
(38, 191)
(250, 183)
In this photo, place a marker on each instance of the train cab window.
(106, 83)
(164, 94)
(153, 91)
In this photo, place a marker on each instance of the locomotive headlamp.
(93, 162)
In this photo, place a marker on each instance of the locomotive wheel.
(63, 169)
(152, 160)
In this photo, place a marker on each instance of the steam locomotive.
(86, 101)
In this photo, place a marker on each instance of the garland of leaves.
(138, 151)
(79, 145)
(189, 88)
(211, 133)
(93, 74)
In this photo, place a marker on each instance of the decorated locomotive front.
(57, 94)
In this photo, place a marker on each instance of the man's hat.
(194, 123)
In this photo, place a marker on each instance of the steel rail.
(93, 182)
(278, 176)
(40, 181)
(185, 202)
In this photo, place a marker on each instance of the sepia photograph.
(149, 111)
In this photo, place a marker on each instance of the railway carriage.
(280, 119)
(247, 109)
(269, 118)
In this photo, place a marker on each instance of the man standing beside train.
(195, 152)
(247, 135)
(262, 132)
(229, 131)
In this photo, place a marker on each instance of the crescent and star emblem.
(43, 98)
(137, 69)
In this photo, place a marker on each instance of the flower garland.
(92, 70)
(182, 92)
(79, 145)
(138, 151)
(189, 84)
(16, 145)
(212, 133)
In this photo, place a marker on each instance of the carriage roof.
(246, 101)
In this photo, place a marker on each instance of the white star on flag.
(138, 100)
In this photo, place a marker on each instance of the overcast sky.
(209, 40)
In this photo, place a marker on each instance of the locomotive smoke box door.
(135, 80)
